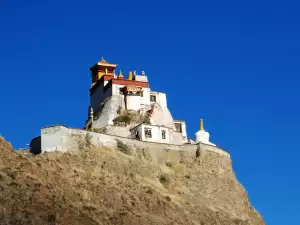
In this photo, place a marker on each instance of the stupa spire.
(201, 124)
(202, 136)
(120, 76)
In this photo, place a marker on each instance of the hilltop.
(120, 186)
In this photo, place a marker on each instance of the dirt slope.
(110, 186)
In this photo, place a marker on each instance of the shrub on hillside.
(123, 147)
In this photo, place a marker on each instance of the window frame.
(163, 134)
(180, 127)
(148, 132)
(154, 97)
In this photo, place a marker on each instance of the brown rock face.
(109, 186)
(4, 145)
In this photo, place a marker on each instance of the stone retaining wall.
(61, 138)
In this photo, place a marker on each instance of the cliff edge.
(120, 186)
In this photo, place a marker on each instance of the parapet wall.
(61, 138)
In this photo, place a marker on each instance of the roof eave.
(106, 64)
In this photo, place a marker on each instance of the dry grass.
(106, 186)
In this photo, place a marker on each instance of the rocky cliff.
(120, 186)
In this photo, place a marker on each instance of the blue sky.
(233, 63)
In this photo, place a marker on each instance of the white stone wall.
(162, 116)
(133, 102)
(145, 100)
(184, 133)
(120, 131)
(183, 129)
(53, 139)
(156, 133)
(140, 131)
(116, 89)
(141, 101)
(176, 137)
(109, 111)
(61, 138)
(161, 98)
(141, 78)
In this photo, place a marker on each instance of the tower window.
(178, 127)
(163, 134)
(152, 98)
(148, 133)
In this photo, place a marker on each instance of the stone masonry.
(61, 138)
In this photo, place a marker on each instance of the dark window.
(163, 134)
(152, 98)
(178, 127)
(148, 133)
(137, 135)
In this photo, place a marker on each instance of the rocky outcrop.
(4, 145)
(120, 186)
(108, 111)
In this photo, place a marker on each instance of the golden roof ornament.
(130, 76)
(103, 61)
(120, 74)
(201, 124)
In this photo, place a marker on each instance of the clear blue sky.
(234, 63)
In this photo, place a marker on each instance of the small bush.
(146, 120)
(187, 176)
(164, 179)
(119, 111)
(123, 147)
(169, 164)
(149, 191)
(124, 118)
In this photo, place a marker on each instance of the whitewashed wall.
(161, 98)
(183, 128)
(61, 138)
(156, 134)
(145, 100)
(109, 111)
(133, 102)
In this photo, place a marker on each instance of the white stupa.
(202, 136)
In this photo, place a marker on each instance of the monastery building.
(127, 107)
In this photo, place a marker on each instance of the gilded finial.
(130, 76)
(103, 60)
(201, 124)
(120, 74)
